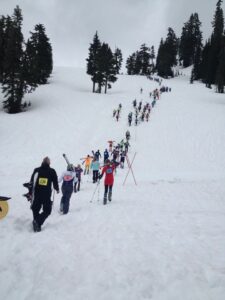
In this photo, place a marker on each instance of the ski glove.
(100, 176)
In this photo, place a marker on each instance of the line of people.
(44, 177)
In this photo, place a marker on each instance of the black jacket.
(42, 180)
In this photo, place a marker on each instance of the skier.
(87, 163)
(134, 103)
(106, 155)
(122, 159)
(41, 185)
(127, 145)
(97, 154)
(127, 135)
(78, 171)
(110, 145)
(68, 179)
(108, 170)
(130, 118)
(95, 166)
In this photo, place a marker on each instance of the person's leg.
(67, 195)
(110, 193)
(105, 194)
(78, 185)
(36, 207)
(47, 209)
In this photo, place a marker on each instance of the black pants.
(108, 191)
(77, 186)
(95, 176)
(43, 203)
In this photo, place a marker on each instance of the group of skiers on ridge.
(43, 177)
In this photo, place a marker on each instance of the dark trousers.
(65, 200)
(95, 176)
(43, 203)
(77, 186)
(108, 192)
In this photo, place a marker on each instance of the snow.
(162, 239)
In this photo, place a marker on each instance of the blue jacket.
(95, 165)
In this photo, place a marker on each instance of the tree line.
(23, 65)
(208, 60)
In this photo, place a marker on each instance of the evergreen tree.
(216, 41)
(2, 44)
(118, 60)
(18, 75)
(92, 59)
(106, 67)
(220, 75)
(190, 41)
(42, 52)
(12, 65)
(144, 55)
(130, 64)
(167, 53)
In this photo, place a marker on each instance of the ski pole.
(98, 188)
(94, 191)
(128, 162)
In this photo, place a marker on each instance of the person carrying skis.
(95, 166)
(110, 145)
(68, 179)
(108, 170)
(87, 163)
(97, 154)
(127, 135)
(41, 182)
(78, 171)
(106, 155)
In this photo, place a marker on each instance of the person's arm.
(55, 181)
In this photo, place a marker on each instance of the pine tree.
(167, 53)
(92, 59)
(216, 41)
(130, 64)
(118, 60)
(13, 57)
(220, 75)
(106, 67)
(42, 53)
(190, 41)
(18, 75)
(144, 55)
(2, 44)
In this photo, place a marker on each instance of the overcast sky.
(71, 24)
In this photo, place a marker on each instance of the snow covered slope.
(162, 239)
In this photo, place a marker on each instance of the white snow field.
(163, 239)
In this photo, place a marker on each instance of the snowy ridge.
(162, 239)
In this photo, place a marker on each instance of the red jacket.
(109, 177)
